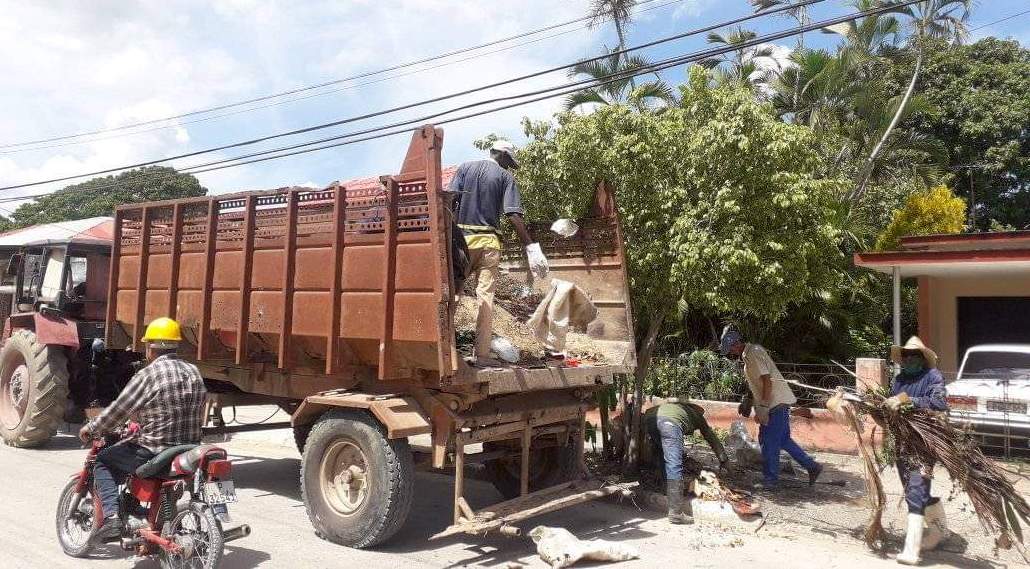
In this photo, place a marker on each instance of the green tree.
(619, 87)
(741, 65)
(977, 108)
(744, 222)
(99, 196)
(930, 20)
(933, 211)
(620, 12)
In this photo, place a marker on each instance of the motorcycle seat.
(160, 465)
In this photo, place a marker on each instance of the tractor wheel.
(357, 484)
(548, 466)
(33, 390)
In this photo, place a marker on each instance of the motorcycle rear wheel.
(75, 529)
(197, 529)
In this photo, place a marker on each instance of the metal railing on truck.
(366, 264)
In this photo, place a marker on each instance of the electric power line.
(374, 133)
(1005, 19)
(417, 103)
(315, 86)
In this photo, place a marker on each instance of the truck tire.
(549, 466)
(300, 436)
(33, 390)
(357, 484)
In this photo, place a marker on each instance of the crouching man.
(666, 426)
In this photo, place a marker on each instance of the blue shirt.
(925, 388)
(486, 191)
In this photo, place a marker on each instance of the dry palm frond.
(844, 412)
(928, 437)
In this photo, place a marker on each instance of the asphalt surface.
(266, 469)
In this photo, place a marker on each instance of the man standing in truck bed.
(486, 189)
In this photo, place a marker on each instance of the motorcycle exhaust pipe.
(235, 533)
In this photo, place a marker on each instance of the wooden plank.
(459, 479)
(338, 246)
(535, 504)
(141, 278)
(246, 275)
(112, 287)
(389, 276)
(289, 260)
(173, 260)
(527, 439)
(204, 334)
(465, 509)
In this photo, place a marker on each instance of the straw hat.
(914, 343)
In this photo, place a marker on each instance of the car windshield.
(997, 365)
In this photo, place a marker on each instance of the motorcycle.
(153, 521)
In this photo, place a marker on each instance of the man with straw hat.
(920, 385)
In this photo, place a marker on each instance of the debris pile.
(514, 303)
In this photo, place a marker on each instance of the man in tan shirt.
(772, 398)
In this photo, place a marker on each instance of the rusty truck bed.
(296, 291)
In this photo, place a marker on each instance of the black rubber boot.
(674, 493)
(110, 529)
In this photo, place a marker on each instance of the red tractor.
(53, 364)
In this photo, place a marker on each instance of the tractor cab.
(61, 280)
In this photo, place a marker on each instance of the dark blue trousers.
(917, 487)
(113, 465)
(775, 437)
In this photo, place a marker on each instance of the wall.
(938, 307)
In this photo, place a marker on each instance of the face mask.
(912, 365)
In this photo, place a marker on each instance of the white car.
(991, 395)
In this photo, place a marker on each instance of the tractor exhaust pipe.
(235, 533)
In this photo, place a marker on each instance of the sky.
(71, 67)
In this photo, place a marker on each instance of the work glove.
(762, 414)
(899, 401)
(744, 409)
(537, 261)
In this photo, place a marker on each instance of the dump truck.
(336, 304)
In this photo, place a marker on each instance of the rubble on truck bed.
(514, 303)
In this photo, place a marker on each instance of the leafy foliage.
(702, 374)
(99, 196)
(745, 223)
(936, 210)
(618, 86)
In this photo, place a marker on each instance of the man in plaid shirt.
(166, 398)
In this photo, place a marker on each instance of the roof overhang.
(948, 263)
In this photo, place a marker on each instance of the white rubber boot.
(936, 531)
(913, 541)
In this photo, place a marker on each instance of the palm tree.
(929, 19)
(618, 87)
(741, 65)
(620, 12)
(798, 13)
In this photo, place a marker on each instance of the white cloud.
(108, 65)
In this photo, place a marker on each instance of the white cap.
(507, 148)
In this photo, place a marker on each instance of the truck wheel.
(300, 435)
(548, 466)
(357, 484)
(33, 390)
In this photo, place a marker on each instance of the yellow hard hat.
(163, 330)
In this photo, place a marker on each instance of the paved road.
(266, 474)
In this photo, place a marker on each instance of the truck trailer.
(337, 304)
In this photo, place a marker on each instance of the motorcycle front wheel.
(75, 524)
(199, 533)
